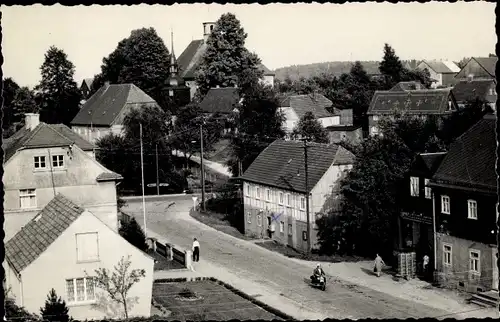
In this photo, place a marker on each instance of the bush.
(187, 293)
(133, 233)
(55, 309)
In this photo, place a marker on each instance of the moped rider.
(317, 273)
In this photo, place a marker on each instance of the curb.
(236, 291)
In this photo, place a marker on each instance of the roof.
(442, 67)
(281, 164)
(43, 136)
(190, 59)
(109, 176)
(407, 86)
(415, 102)
(88, 81)
(103, 107)
(471, 158)
(341, 127)
(40, 232)
(220, 100)
(301, 104)
(467, 90)
(488, 63)
(432, 160)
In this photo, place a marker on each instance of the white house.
(275, 191)
(295, 106)
(442, 72)
(42, 160)
(61, 248)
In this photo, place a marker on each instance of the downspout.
(21, 293)
(434, 229)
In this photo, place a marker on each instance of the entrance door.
(494, 256)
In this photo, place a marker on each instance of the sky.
(281, 34)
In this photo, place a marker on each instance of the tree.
(134, 234)
(118, 283)
(390, 66)
(141, 59)
(186, 133)
(226, 62)
(58, 92)
(259, 123)
(309, 127)
(9, 91)
(55, 309)
(461, 64)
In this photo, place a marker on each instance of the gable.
(480, 68)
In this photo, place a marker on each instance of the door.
(494, 259)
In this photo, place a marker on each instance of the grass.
(217, 221)
(216, 303)
(162, 263)
(290, 252)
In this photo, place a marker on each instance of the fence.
(170, 252)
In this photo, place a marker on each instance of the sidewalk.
(264, 295)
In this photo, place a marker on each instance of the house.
(223, 101)
(61, 248)
(345, 130)
(465, 201)
(105, 111)
(478, 68)
(442, 72)
(294, 107)
(424, 103)
(415, 223)
(275, 191)
(86, 87)
(472, 89)
(190, 60)
(411, 64)
(408, 86)
(42, 160)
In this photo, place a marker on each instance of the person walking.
(379, 263)
(196, 250)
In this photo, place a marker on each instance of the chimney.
(106, 85)
(207, 29)
(31, 120)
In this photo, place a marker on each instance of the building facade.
(442, 72)
(478, 68)
(465, 202)
(79, 244)
(476, 89)
(275, 196)
(45, 159)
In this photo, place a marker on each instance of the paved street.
(281, 275)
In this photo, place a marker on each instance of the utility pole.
(157, 176)
(202, 169)
(307, 198)
(142, 175)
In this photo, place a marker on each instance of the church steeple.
(173, 61)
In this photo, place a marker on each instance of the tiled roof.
(467, 90)
(488, 63)
(471, 159)
(88, 81)
(44, 135)
(432, 160)
(220, 100)
(109, 176)
(40, 232)
(190, 59)
(281, 164)
(407, 86)
(442, 67)
(302, 104)
(415, 102)
(103, 107)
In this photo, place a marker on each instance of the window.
(80, 290)
(257, 193)
(375, 118)
(58, 161)
(428, 190)
(290, 230)
(414, 191)
(249, 217)
(445, 205)
(304, 235)
(302, 203)
(247, 190)
(27, 198)
(472, 209)
(268, 195)
(280, 199)
(474, 261)
(259, 220)
(447, 251)
(282, 227)
(288, 200)
(87, 247)
(40, 162)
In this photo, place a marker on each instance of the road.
(284, 276)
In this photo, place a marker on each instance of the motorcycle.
(318, 282)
